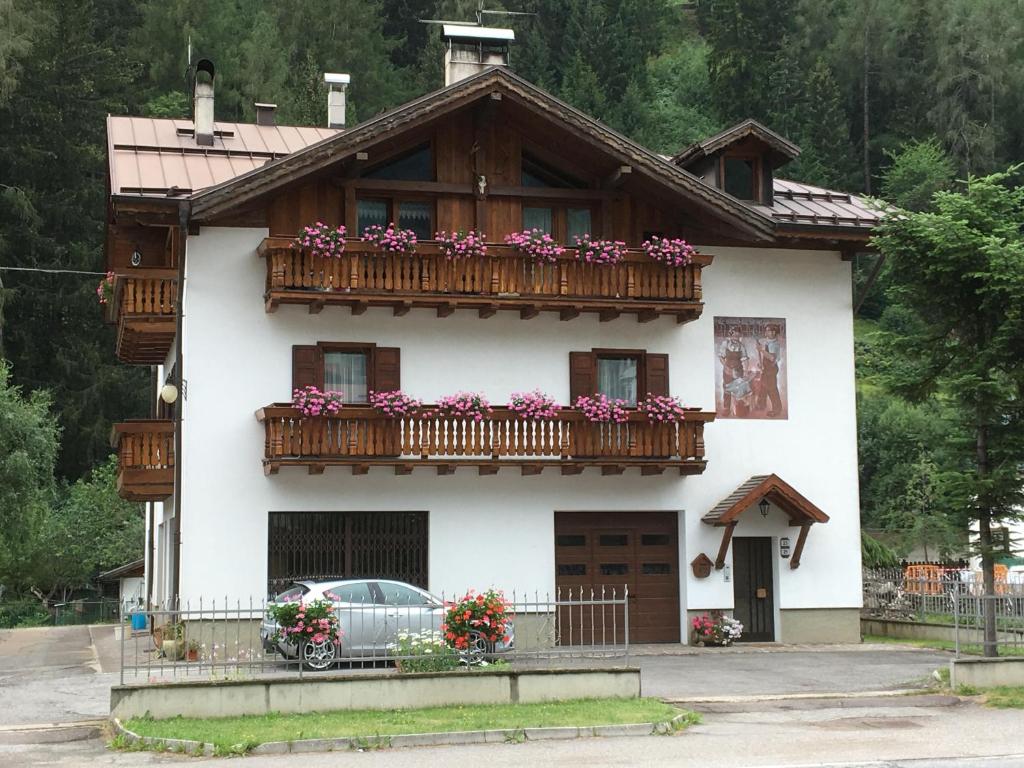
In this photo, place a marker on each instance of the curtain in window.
(345, 372)
(537, 218)
(577, 223)
(616, 378)
(371, 212)
(417, 216)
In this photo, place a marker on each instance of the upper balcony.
(504, 279)
(361, 437)
(145, 459)
(143, 307)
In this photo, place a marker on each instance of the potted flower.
(105, 290)
(172, 642)
(310, 401)
(193, 651)
(715, 629)
(395, 403)
(468, 405)
(391, 239)
(662, 409)
(535, 243)
(322, 240)
(601, 409)
(671, 253)
(475, 623)
(461, 244)
(533, 405)
(312, 627)
(599, 251)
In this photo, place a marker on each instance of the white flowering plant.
(424, 651)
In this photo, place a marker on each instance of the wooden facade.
(361, 437)
(145, 452)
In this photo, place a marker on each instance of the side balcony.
(504, 279)
(362, 437)
(144, 309)
(145, 459)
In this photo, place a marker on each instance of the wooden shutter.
(305, 366)
(582, 375)
(387, 369)
(657, 374)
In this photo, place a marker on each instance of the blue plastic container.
(138, 622)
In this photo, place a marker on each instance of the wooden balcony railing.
(144, 309)
(503, 280)
(145, 459)
(361, 437)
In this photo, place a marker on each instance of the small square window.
(617, 378)
(370, 213)
(346, 372)
(539, 218)
(577, 223)
(741, 177)
(417, 216)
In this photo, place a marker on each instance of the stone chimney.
(202, 102)
(470, 49)
(337, 84)
(265, 113)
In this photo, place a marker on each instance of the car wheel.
(477, 650)
(319, 656)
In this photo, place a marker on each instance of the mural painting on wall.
(750, 368)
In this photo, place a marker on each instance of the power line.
(52, 271)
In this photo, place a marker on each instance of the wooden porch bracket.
(723, 549)
(794, 561)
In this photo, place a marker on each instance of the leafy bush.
(27, 612)
(425, 651)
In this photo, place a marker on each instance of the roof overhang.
(773, 488)
(129, 570)
(782, 149)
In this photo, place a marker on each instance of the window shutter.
(304, 366)
(582, 375)
(387, 369)
(657, 375)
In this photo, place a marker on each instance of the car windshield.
(293, 594)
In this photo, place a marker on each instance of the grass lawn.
(970, 649)
(229, 732)
(1005, 697)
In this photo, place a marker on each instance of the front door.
(752, 587)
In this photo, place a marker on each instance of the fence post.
(625, 599)
(956, 624)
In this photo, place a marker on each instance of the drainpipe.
(184, 209)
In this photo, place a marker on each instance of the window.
(614, 569)
(618, 377)
(570, 540)
(742, 177)
(354, 369)
(358, 593)
(347, 372)
(577, 223)
(614, 540)
(572, 569)
(655, 540)
(536, 173)
(292, 595)
(539, 218)
(417, 215)
(415, 165)
(397, 594)
(564, 224)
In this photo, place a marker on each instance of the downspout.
(184, 210)
(150, 561)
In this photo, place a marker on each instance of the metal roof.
(149, 156)
(473, 32)
(797, 203)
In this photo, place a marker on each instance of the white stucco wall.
(499, 529)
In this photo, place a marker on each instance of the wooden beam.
(569, 313)
(572, 469)
(616, 469)
(723, 550)
(316, 307)
(549, 193)
(655, 470)
(403, 469)
(531, 469)
(360, 469)
(316, 469)
(359, 307)
(351, 211)
(646, 315)
(489, 311)
(490, 469)
(794, 561)
(402, 308)
(445, 469)
(427, 187)
(607, 315)
(445, 310)
(614, 180)
(529, 313)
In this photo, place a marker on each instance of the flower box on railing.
(505, 278)
(361, 436)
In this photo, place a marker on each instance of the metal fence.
(225, 639)
(86, 612)
(1003, 613)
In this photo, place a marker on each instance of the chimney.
(337, 85)
(470, 49)
(265, 113)
(202, 105)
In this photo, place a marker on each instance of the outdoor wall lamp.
(784, 547)
(136, 260)
(169, 393)
(763, 505)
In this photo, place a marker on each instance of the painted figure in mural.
(770, 352)
(735, 384)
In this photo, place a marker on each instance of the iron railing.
(232, 639)
(1004, 616)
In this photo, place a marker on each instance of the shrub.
(27, 612)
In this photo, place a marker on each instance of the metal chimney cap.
(335, 78)
(264, 105)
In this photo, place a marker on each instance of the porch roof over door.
(773, 488)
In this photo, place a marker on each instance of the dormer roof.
(780, 149)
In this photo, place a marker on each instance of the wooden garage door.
(639, 550)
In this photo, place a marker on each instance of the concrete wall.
(332, 692)
(819, 625)
(913, 630)
(986, 673)
(238, 358)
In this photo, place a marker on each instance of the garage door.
(346, 545)
(639, 550)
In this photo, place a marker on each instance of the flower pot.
(192, 655)
(173, 649)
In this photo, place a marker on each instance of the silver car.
(371, 613)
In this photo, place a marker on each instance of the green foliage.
(918, 170)
(23, 612)
(875, 554)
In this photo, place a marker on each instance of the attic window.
(415, 165)
(742, 176)
(538, 174)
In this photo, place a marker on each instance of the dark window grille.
(346, 545)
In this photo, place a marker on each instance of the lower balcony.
(145, 459)
(362, 437)
(503, 280)
(143, 308)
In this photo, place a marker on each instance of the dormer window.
(742, 176)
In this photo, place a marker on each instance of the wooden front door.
(753, 587)
(613, 550)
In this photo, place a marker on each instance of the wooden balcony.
(143, 308)
(503, 280)
(361, 437)
(145, 459)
